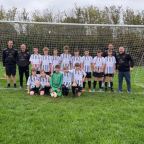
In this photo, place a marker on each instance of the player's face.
(33, 72)
(66, 51)
(57, 69)
(86, 53)
(99, 54)
(10, 44)
(23, 48)
(121, 50)
(35, 50)
(45, 52)
(76, 53)
(55, 52)
(110, 47)
(77, 68)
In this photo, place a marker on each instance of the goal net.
(81, 36)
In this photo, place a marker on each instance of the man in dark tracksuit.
(124, 65)
(23, 63)
(9, 56)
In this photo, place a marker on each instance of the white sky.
(68, 4)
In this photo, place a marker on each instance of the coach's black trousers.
(22, 71)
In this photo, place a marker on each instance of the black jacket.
(9, 56)
(23, 59)
(124, 62)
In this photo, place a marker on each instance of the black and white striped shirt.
(44, 81)
(87, 62)
(67, 79)
(46, 62)
(76, 59)
(110, 62)
(32, 79)
(55, 61)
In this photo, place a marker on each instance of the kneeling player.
(33, 83)
(56, 81)
(78, 79)
(67, 81)
(98, 73)
(110, 66)
(44, 83)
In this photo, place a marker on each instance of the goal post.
(81, 36)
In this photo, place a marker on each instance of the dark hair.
(66, 47)
(57, 66)
(77, 65)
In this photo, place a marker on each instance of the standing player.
(55, 59)
(98, 73)
(9, 57)
(76, 58)
(23, 63)
(87, 67)
(78, 79)
(35, 60)
(65, 58)
(46, 61)
(110, 67)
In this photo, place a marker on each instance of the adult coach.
(9, 56)
(124, 65)
(23, 63)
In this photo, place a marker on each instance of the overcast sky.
(67, 4)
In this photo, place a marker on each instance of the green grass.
(93, 118)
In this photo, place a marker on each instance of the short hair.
(55, 49)
(66, 47)
(99, 51)
(45, 49)
(57, 66)
(65, 68)
(86, 50)
(33, 70)
(76, 50)
(77, 65)
(35, 48)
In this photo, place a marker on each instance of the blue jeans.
(127, 77)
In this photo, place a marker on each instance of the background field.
(103, 118)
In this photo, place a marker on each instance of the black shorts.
(35, 89)
(45, 89)
(48, 73)
(98, 75)
(109, 75)
(10, 70)
(88, 75)
(38, 72)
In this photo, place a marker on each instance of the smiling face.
(86, 53)
(110, 47)
(10, 44)
(121, 50)
(55, 52)
(35, 50)
(23, 47)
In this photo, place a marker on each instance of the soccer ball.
(54, 94)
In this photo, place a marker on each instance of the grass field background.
(93, 118)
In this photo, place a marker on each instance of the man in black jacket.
(23, 63)
(124, 65)
(9, 56)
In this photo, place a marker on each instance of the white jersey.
(32, 79)
(65, 60)
(35, 60)
(110, 62)
(78, 76)
(76, 59)
(46, 62)
(98, 63)
(44, 81)
(55, 61)
(67, 79)
(87, 62)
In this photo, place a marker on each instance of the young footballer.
(76, 58)
(110, 66)
(65, 58)
(33, 83)
(67, 81)
(78, 79)
(87, 67)
(55, 59)
(35, 60)
(56, 81)
(46, 61)
(98, 70)
(44, 83)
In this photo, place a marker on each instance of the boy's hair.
(45, 49)
(33, 70)
(35, 48)
(76, 50)
(66, 47)
(57, 66)
(55, 49)
(77, 65)
(86, 50)
(99, 51)
(65, 68)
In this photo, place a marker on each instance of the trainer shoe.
(8, 85)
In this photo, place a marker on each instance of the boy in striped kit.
(98, 69)
(110, 66)
(46, 61)
(78, 79)
(76, 58)
(55, 59)
(33, 82)
(35, 60)
(87, 67)
(65, 58)
(67, 81)
(44, 83)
